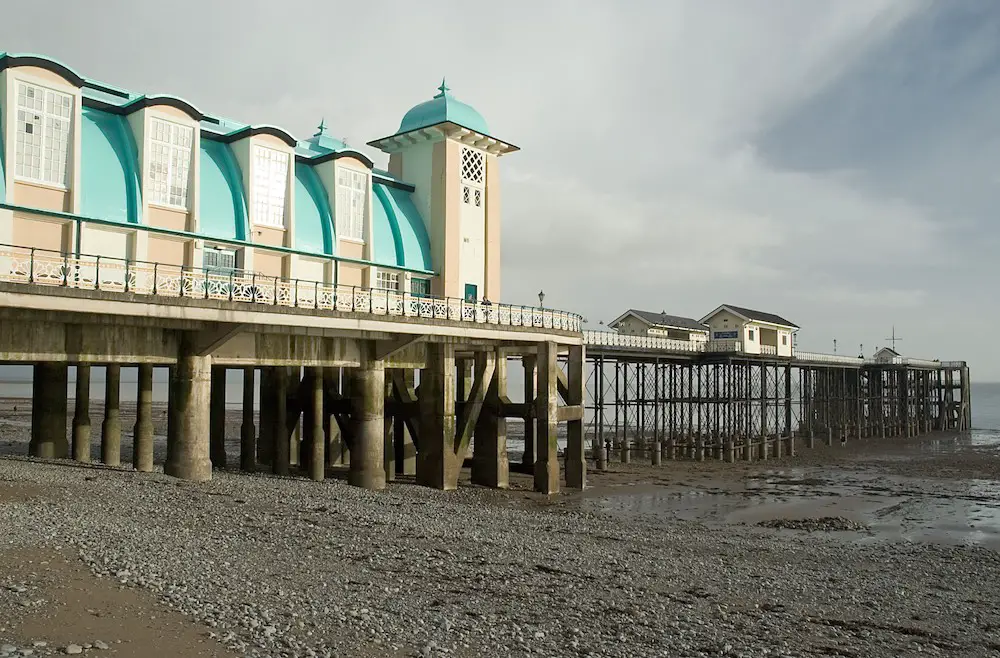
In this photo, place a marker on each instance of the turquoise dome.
(443, 107)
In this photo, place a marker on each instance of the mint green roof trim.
(313, 219)
(400, 237)
(42, 61)
(109, 179)
(222, 208)
(443, 108)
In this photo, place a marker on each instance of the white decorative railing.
(50, 268)
(724, 346)
(769, 350)
(829, 358)
(613, 339)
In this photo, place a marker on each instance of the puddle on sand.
(895, 508)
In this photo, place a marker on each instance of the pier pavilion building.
(750, 331)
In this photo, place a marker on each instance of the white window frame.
(270, 186)
(474, 186)
(177, 155)
(382, 277)
(46, 121)
(220, 250)
(414, 281)
(353, 188)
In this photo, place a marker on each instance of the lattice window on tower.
(466, 191)
(473, 166)
(479, 198)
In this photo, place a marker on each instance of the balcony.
(41, 267)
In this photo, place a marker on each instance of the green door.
(471, 292)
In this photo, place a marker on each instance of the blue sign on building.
(726, 334)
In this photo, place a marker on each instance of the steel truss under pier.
(656, 407)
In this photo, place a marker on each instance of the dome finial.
(444, 89)
(321, 128)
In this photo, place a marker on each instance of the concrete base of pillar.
(111, 428)
(48, 411)
(188, 448)
(368, 404)
(656, 454)
(142, 432)
(81, 415)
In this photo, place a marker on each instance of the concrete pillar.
(367, 410)
(576, 456)
(600, 455)
(490, 464)
(437, 464)
(142, 432)
(778, 446)
(546, 409)
(248, 432)
(656, 454)
(791, 444)
(317, 454)
(337, 453)
(217, 413)
(188, 448)
(388, 433)
(111, 429)
(281, 456)
(529, 361)
(626, 450)
(730, 450)
(265, 437)
(48, 411)
(406, 450)
(81, 415)
(748, 448)
(699, 443)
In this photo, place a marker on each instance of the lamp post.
(834, 345)
(541, 299)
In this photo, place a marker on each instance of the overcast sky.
(832, 162)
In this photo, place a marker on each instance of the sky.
(836, 163)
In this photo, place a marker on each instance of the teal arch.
(399, 235)
(222, 209)
(313, 220)
(109, 176)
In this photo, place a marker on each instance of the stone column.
(336, 448)
(547, 421)
(81, 415)
(576, 455)
(406, 450)
(248, 432)
(111, 429)
(317, 457)
(280, 463)
(142, 433)
(490, 464)
(188, 448)
(217, 414)
(388, 435)
(437, 464)
(367, 410)
(529, 361)
(49, 384)
(265, 439)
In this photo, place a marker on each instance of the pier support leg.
(111, 429)
(265, 437)
(437, 464)
(281, 446)
(81, 415)
(188, 448)
(576, 454)
(656, 454)
(626, 451)
(248, 432)
(217, 433)
(317, 455)
(490, 464)
(367, 410)
(388, 434)
(730, 449)
(337, 453)
(528, 458)
(407, 450)
(547, 465)
(48, 411)
(142, 432)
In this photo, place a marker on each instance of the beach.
(875, 548)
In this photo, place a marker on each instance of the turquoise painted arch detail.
(399, 236)
(314, 229)
(222, 206)
(109, 172)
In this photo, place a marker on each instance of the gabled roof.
(887, 350)
(753, 316)
(661, 320)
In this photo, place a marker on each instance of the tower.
(444, 148)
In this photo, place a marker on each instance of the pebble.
(73, 649)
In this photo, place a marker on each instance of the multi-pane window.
(270, 179)
(352, 197)
(387, 280)
(420, 287)
(44, 118)
(473, 169)
(169, 162)
(219, 260)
